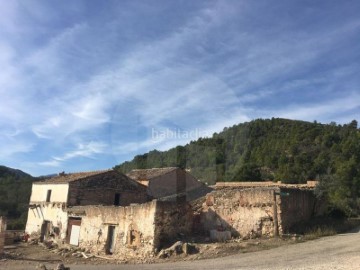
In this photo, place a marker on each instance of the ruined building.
(254, 209)
(110, 213)
(170, 181)
(50, 199)
(104, 212)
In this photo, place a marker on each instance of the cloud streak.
(78, 85)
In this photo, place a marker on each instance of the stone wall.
(13, 236)
(2, 234)
(134, 228)
(173, 221)
(245, 212)
(254, 212)
(140, 230)
(101, 189)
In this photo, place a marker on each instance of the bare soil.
(24, 254)
(338, 252)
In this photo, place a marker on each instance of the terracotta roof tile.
(70, 177)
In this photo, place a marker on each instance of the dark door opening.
(45, 228)
(117, 199)
(110, 242)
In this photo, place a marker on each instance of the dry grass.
(321, 227)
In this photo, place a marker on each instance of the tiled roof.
(147, 174)
(63, 178)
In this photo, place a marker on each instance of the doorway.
(73, 231)
(110, 242)
(45, 229)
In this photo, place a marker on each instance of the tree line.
(273, 149)
(15, 190)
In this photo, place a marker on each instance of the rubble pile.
(178, 248)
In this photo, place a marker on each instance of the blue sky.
(86, 85)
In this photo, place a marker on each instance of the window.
(117, 199)
(48, 195)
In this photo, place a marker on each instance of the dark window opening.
(117, 199)
(48, 195)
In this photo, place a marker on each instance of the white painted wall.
(59, 192)
(53, 213)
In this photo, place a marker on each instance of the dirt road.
(336, 252)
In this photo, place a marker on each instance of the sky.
(86, 85)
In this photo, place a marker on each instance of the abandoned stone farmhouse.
(107, 212)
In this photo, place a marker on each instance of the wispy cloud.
(88, 150)
(77, 84)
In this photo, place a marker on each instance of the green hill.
(276, 149)
(15, 190)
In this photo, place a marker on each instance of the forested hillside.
(15, 190)
(272, 149)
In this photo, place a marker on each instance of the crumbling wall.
(140, 230)
(133, 234)
(173, 220)
(54, 213)
(101, 189)
(296, 205)
(12, 236)
(2, 233)
(243, 212)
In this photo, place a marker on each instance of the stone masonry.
(253, 212)
(138, 230)
(245, 213)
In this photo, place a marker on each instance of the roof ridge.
(156, 168)
(96, 171)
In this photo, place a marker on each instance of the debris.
(102, 257)
(189, 248)
(41, 267)
(178, 248)
(9, 247)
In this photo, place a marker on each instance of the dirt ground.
(340, 252)
(23, 254)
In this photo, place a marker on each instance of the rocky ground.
(339, 252)
(31, 255)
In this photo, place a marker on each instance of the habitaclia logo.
(177, 133)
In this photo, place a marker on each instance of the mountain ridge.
(291, 151)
